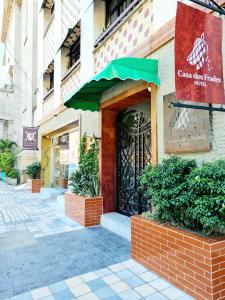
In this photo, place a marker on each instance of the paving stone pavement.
(45, 255)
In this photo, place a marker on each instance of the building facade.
(138, 123)
(18, 95)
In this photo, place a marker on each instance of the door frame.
(107, 164)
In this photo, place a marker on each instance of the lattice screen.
(71, 83)
(70, 15)
(48, 105)
(135, 30)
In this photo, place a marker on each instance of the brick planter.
(194, 263)
(34, 185)
(85, 211)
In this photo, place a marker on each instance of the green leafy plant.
(7, 145)
(85, 180)
(7, 161)
(165, 185)
(206, 186)
(183, 194)
(34, 170)
(14, 173)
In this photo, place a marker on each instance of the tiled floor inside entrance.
(45, 255)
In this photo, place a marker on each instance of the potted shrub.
(8, 152)
(84, 204)
(182, 238)
(34, 181)
(8, 159)
(13, 177)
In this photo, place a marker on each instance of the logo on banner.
(199, 54)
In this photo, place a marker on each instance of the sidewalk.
(45, 255)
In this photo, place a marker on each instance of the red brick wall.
(194, 263)
(85, 211)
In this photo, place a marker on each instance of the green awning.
(88, 96)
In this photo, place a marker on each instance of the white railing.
(70, 81)
(48, 103)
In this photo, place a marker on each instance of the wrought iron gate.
(133, 154)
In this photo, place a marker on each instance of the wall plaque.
(185, 130)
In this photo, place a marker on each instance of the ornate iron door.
(133, 154)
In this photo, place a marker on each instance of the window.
(114, 9)
(51, 77)
(74, 53)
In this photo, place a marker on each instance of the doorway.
(133, 154)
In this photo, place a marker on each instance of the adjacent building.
(63, 31)
(18, 91)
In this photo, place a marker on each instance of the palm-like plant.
(7, 145)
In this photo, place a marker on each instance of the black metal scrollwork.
(133, 154)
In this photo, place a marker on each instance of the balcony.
(48, 103)
(70, 81)
(132, 28)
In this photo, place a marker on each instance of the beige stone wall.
(165, 55)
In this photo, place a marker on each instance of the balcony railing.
(121, 17)
(48, 103)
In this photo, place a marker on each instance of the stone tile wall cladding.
(85, 211)
(193, 263)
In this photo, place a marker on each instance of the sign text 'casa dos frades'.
(198, 56)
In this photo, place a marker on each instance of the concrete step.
(117, 223)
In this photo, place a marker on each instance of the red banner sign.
(198, 56)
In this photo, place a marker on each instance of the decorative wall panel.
(185, 129)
